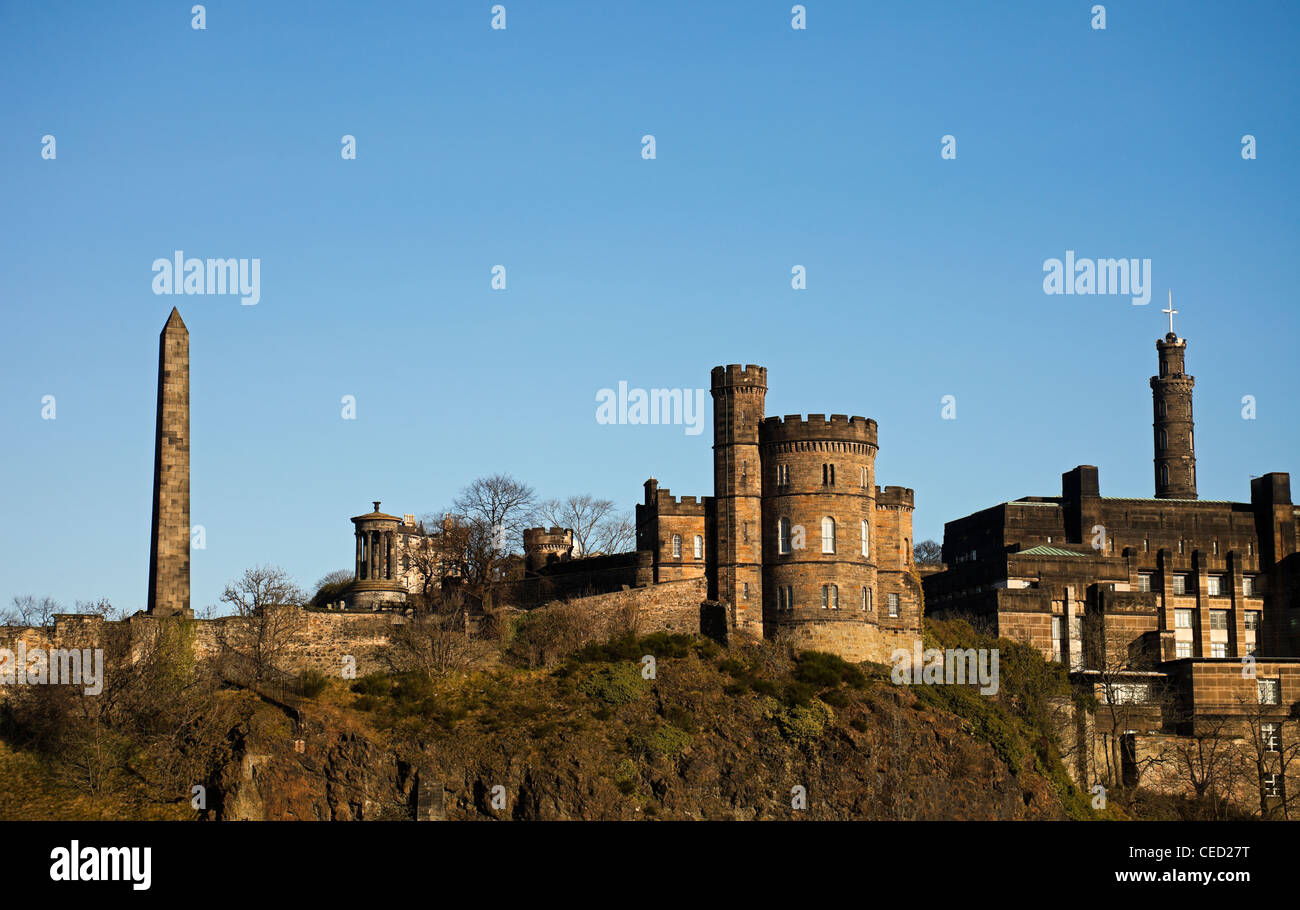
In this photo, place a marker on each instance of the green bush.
(616, 684)
(664, 739)
(801, 724)
(312, 683)
(374, 684)
(826, 671)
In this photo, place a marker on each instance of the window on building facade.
(1056, 638)
(1160, 409)
(1273, 786)
(1270, 691)
(783, 535)
(744, 591)
(863, 471)
(1270, 735)
(782, 475)
(1252, 620)
(871, 601)
(1248, 585)
(1164, 476)
(744, 472)
(1144, 582)
(677, 546)
(789, 597)
(1219, 620)
(1218, 649)
(828, 535)
(864, 600)
(1182, 619)
(1217, 585)
(1182, 649)
(1164, 440)
(866, 537)
(893, 604)
(835, 597)
(1180, 584)
(828, 475)
(699, 546)
(826, 596)
(744, 532)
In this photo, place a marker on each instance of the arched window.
(699, 547)
(783, 535)
(1164, 440)
(866, 537)
(865, 592)
(1164, 475)
(1161, 409)
(677, 546)
(828, 535)
(830, 597)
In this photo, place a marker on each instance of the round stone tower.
(1175, 443)
(819, 540)
(380, 582)
(739, 395)
(544, 546)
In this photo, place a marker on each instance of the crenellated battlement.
(668, 504)
(734, 375)
(817, 428)
(895, 497)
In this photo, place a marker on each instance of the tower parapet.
(543, 546)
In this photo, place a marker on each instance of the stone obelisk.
(169, 552)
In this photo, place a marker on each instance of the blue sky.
(522, 147)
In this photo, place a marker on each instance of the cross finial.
(1171, 311)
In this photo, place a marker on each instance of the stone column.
(358, 537)
(388, 552)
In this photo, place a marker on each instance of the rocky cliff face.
(709, 737)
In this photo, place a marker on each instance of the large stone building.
(1184, 607)
(797, 542)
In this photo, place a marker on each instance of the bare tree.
(27, 610)
(1130, 696)
(1272, 745)
(493, 511)
(928, 553)
(596, 526)
(271, 605)
(1209, 762)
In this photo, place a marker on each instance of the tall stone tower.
(739, 395)
(169, 552)
(1171, 397)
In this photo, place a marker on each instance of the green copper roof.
(1048, 551)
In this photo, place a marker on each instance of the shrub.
(664, 739)
(801, 724)
(616, 684)
(373, 684)
(312, 683)
(826, 671)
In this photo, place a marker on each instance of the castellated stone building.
(1176, 612)
(796, 542)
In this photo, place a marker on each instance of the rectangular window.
(1219, 620)
(1271, 735)
(677, 546)
(826, 596)
(893, 604)
(1248, 585)
(1056, 638)
(744, 591)
(699, 547)
(1182, 649)
(864, 600)
(1270, 691)
(1180, 584)
(1217, 585)
(782, 475)
(744, 532)
(1218, 649)
(789, 597)
(1252, 620)
(835, 597)
(864, 477)
(866, 537)
(1144, 582)
(1182, 619)
(1273, 786)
